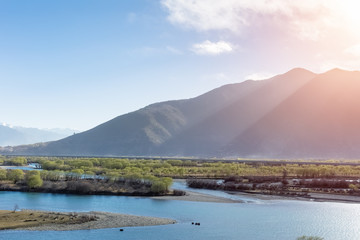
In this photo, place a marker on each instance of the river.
(253, 220)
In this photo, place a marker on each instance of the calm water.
(28, 167)
(270, 220)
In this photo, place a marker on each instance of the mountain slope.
(322, 119)
(142, 132)
(222, 126)
(296, 114)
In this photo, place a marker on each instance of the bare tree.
(16, 207)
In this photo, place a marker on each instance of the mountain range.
(10, 136)
(298, 114)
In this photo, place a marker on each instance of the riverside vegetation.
(154, 177)
(80, 176)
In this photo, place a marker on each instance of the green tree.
(3, 174)
(15, 175)
(78, 171)
(49, 165)
(18, 161)
(168, 182)
(158, 187)
(34, 181)
(75, 174)
(31, 173)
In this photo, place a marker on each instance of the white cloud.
(6, 125)
(304, 32)
(308, 19)
(212, 48)
(204, 15)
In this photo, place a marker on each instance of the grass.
(29, 218)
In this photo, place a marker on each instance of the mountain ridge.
(291, 115)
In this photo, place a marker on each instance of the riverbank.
(61, 221)
(85, 187)
(275, 188)
(198, 197)
(316, 197)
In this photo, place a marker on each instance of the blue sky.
(78, 63)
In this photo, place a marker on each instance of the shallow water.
(181, 185)
(270, 220)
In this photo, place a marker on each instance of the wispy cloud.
(307, 19)
(174, 50)
(131, 17)
(212, 48)
(144, 51)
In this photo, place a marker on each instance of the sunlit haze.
(77, 64)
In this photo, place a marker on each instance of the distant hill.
(292, 115)
(10, 136)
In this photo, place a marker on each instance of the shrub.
(80, 187)
(179, 192)
(352, 186)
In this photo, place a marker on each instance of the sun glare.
(350, 10)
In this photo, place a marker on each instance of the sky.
(77, 64)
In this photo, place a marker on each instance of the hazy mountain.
(10, 136)
(322, 119)
(296, 114)
(220, 128)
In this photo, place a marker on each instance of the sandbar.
(103, 220)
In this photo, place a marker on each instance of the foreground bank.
(64, 221)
